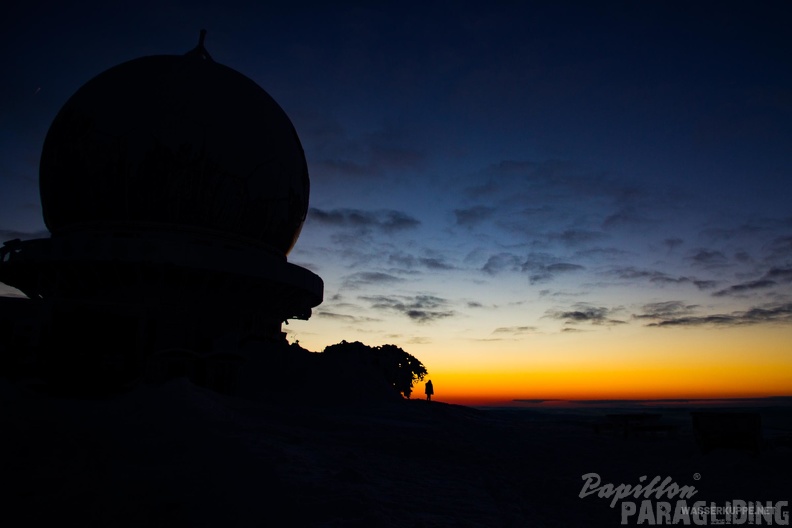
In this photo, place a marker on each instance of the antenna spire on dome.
(199, 50)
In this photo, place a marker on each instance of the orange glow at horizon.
(626, 362)
(735, 363)
(487, 388)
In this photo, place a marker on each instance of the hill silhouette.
(180, 455)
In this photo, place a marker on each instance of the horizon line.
(638, 400)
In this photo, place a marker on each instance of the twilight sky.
(537, 199)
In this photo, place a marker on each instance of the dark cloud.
(708, 258)
(397, 221)
(502, 262)
(544, 273)
(745, 287)
(632, 273)
(425, 316)
(608, 253)
(387, 221)
(402, 259)
(410, 261)
(585, 313)
(662, 279)
(363, 278)
(352, 319)
(539, 266)
(775, 313)
(419, 308)
(559, 294)
(653, 276)
(435, 264)
(665, 310)
(473, 216)
(561, 267)
(474, 304)
(576, 237)
(768, 280)
(779, 274)
(706, 284)
(515, 330)
(537, 261)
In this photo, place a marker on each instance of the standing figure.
(429, 390)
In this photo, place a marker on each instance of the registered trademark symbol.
(696, 476)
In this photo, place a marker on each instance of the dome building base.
(174, 188)
(116, 306)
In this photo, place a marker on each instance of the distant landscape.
(708, 402)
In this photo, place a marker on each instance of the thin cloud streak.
(767, 314)
(418, 308)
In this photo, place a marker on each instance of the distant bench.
(731, 430)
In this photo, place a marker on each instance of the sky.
(536, 199)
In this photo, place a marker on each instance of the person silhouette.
(429, 390)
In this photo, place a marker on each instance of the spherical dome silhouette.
(179, 143)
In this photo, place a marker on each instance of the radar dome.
(175, 142)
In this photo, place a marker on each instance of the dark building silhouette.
(173, 188)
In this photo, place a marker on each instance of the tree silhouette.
(399, 368)
(403, 369)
